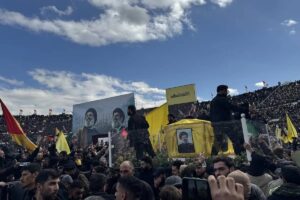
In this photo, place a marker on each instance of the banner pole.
(109, 150)
(246, 134)
(269, 139)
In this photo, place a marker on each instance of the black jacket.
(13, 191)
(288, 191)
(147, 176)
(221, 109)
(137, 129)
(260, 165)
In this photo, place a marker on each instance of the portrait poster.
(185, 143)
(93, 120)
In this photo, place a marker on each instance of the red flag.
(15, 130)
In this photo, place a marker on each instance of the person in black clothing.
(159, 177)
(221, 114)
(97, 183)
(25, 188)
(138, 133)
(176, 166)
(130, 188)
(29, 174)
(146, 173)
(76, 191)
(47, 186)
(290, 190)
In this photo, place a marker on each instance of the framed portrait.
(185, 141)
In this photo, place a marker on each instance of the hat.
(66, 179)
(174, 180)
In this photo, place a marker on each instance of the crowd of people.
(48, 174)
(269, 105)
(35, 125)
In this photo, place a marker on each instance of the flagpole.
(246, 134)
(109, 150)
(269, 139)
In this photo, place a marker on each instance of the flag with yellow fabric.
(284, 136)
(157, 119)
(291, 130)
(230, 149)
(15, 130)
(61, 142)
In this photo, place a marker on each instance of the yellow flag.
(280, 136)
(61, 143)
(230, 149)
(157, 119)
(285, 137)
(292, 132)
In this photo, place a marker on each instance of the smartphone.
(195, 188)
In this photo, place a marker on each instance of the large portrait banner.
(94, 120)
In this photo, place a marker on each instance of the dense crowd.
(84, 174)
(45, 174)
(269, 105)
(35, 125)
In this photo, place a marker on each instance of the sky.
(58, 53)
